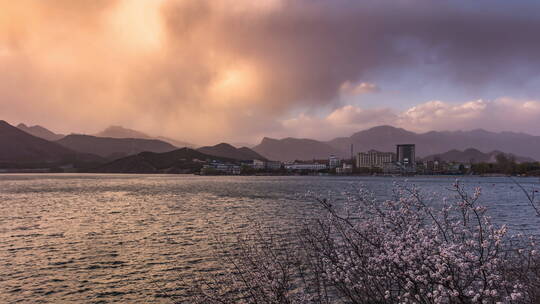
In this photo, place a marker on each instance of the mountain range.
(474, 156)
(121, 132)
(21, 149)
(36, 144)
(113, 148)
(228, 151)
(289, 149)
(385, 138)
(184, 160)
(112, 143)
(111, 132)
(40, 131)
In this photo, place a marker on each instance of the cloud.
(502, 114)
(341, 122)
(438, 114)
(498, 115)
(347, 88)
(206, 70)
(351, 115)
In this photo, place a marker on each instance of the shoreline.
(260, 175)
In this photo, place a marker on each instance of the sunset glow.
(270, 151)
(242, 70)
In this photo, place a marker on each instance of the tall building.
(406, 155)
(374, 159)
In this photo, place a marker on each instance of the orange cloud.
(213, 70)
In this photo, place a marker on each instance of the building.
(442, 167)
(391, 168)
(374, 159)
(345, 169)
(258, 164)
(265, 165)
(406, 156)
(305, 167)
(272, 165)
(334, 162)
(220, 168)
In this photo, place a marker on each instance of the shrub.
(398, 251)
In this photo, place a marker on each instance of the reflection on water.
(123, 238)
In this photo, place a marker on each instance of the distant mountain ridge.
(121, 142)
(289, 149)
(474, 156)
(18, 148)
(385, 138)
(121, 132)
(229, 151)
(40, 131)
(113, 148)
(184, 160)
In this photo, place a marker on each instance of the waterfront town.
(401, 162)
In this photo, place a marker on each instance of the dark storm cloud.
(312, 47)
(223, 69)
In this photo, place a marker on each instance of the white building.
(374, 159)
(307, 167)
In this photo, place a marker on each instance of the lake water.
(126, 238)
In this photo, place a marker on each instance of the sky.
(208, 71)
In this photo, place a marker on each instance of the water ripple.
(129, 238)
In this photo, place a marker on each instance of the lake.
(127, 238)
